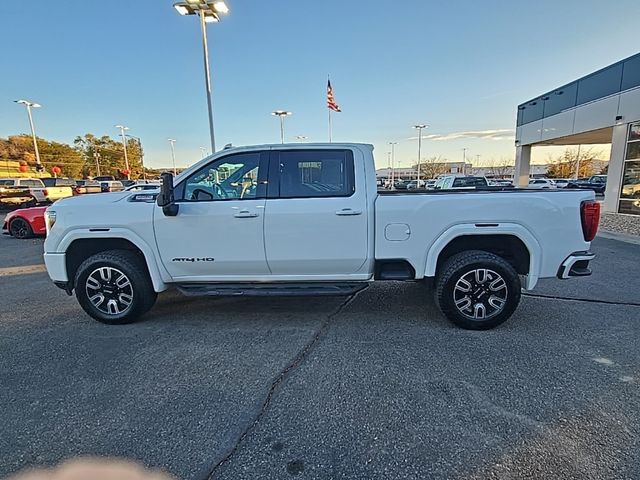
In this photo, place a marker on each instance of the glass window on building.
(560, 100)
(630, 188)
(631, 73)
(600, 84)
(532, 111)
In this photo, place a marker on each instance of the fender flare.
(514, 229)
(159, 276)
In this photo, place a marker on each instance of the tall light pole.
(96, 157)
(393, 159)
(209, 12)
(419, 127)
(203, 150)
(137, 139)
(464, 160)
(172, 142)
(124, 145)
(281, 114)
(578, 163)
(30, 105)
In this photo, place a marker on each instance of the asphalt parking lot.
(375, 386)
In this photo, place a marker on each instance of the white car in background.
(541, 183)
(561, 182)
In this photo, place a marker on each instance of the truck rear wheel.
(477, 290)
(114, 287)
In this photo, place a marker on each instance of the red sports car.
(25, 222)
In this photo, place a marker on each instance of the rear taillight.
(108, 189)
(45, 192)
(590, 216)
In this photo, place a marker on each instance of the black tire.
(492, 296)
(20, 228)
(119, 276)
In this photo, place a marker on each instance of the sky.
(460, 66)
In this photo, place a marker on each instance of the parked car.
(597, 183)
(541, 183)
(84, 187)
(318, 227)
(25, 222)
(561, 182)
(104, 178)
(112, 186)
(430, 184)
(11, 194)
(415, 185)
(59, 182)
(402, 184)
(460, 182)
(138, 187)
(37, 189)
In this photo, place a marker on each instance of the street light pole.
(209, 11)
(30, 105)
(464, 161)
(419, 127)
(207, 79)
(173, 155)
(96, 157)
(203, 151)
(281, 114)
(393, 159)
(124, 145)
(578, 163)
(137, 139)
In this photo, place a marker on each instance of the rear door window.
(313, 173)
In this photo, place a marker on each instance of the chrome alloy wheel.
(109, 290)
(480, 294)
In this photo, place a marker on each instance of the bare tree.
(432, 167)
(501, 168)
(572, 160)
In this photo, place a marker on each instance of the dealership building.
(600, 108)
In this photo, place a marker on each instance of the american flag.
(331, 102)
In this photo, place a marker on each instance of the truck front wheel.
(477, 290)
(114, 287)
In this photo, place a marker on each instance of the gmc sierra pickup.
(307, 219)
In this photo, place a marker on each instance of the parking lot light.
(30, 105)
(124, 145)
(172, 142)
(209, 12)
(419, 127)
(281, 114)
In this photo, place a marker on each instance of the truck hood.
(93, 199)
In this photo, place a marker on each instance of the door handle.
(245, 214)
(348, 211)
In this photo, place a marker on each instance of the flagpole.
(329, 125)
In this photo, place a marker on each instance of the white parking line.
(22, 270)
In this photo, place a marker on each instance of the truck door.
(315, 217)
(217, 234)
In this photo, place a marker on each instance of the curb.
(621, 237)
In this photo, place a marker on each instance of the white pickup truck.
(38, 191)
(307, 219)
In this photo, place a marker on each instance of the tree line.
(89, 156)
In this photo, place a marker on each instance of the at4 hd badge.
(192, 259)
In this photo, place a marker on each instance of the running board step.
(270, 289)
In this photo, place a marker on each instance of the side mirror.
(166, 199)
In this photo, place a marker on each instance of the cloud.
(496, 134)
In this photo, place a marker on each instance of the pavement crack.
(577, 299)
(279, 380)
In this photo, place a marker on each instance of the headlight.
(49, 220)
